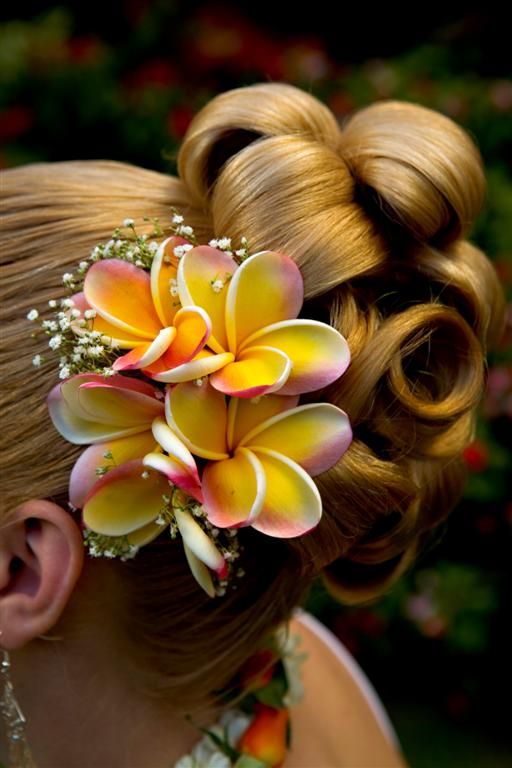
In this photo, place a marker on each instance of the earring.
(18, 750)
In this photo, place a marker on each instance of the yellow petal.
(314, 435)
(163, 272)
(292, 504)
(256, 371)
(123, 500)
(110, 334)
(319, 354)
(265, 289)
(146, 354)
(197, 540)
(83, 475)
(198, 269)
(199, 571)
(147, 533)
(121, 294)
(244, 415)
(233, 489)
(198, 416)
(201, 365)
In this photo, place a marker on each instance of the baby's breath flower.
(32, 315)
(37, 360)
(95, 351)
(83, 266)
(180, 250)
(75, 313)
(177, 219)
(67, 278)
(217, 285)
(49, 325)
(128, 223)
(224, 243)
(89, 314)
(52, 303)
(68, 303)
(55, 341)
(65, 372)
(64, 324)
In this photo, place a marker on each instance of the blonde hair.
(374, 213)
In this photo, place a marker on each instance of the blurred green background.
(125, 83)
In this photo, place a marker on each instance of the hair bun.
(425, 170)
(234, 119)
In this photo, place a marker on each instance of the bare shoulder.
(334, 726)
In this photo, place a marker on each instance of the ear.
(41, 558)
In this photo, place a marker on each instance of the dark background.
(123, 82)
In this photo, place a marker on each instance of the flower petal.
(146, 354)
(193, 327)
(314, 435)
(256, 371)
(121, 294)
(197, 540)
(109, 333)
(199, 571)
(123, 501)
(109, 404)
(173, 446)
(244, 415)
(197, 271)
(164, 268)
(198, 416)
(79, 426)
(83, 475)
(176, 472)
(234, 489)
(265, 289)
(292, 504)
(318, 352)
(147, 533)
(202, 364)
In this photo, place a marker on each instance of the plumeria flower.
(257, 346)
(136, 311)
(119, 417)
(260, 455)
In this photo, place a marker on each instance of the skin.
(63, 639)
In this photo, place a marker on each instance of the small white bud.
(128, 223)
(37, 360)
(52, 303)
(32, 315)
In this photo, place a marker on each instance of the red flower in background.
(476, 456)
(14, 122)
(178, 120)
(153, 73)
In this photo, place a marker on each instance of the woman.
(108, 658)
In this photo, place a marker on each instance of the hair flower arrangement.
(182, 366)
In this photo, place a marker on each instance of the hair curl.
(374, 213)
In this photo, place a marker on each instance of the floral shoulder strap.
(257, 733)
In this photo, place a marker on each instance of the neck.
(81, 706)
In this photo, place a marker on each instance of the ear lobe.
(41, 558)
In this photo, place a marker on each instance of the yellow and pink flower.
(207, 315)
